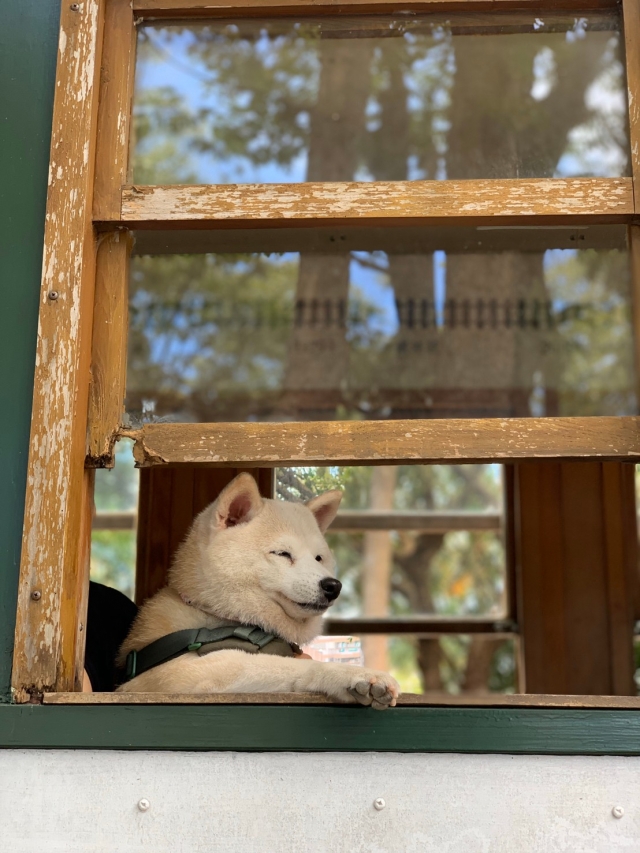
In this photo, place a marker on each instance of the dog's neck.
(193, 603)
(298, 633)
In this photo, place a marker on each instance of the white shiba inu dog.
(249, 561)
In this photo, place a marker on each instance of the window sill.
(407, 700)
(289, 727)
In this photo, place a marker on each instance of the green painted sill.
(306, 728)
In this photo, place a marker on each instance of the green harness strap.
(233, 635)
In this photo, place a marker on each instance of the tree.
(251, 336)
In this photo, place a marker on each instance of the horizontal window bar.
(522, 700)
(544, 201)
(425, 626)
(353, 521)
(167, 9)
(463, 240)
(386, 442)
(114, 521)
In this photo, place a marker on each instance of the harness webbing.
(234, 635)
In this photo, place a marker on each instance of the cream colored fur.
(232, 566)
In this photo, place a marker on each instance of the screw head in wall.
(144, 805)
(379, 804)
(36, 595)
(617, 811)
(53, 295)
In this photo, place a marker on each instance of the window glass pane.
(408, 97)
(113, 538)
(380, 323)
(437, 563)
(436, 546)
(460, 665)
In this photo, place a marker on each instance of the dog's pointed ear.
(325, 507)
(238, 502)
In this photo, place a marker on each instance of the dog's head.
(261, 562)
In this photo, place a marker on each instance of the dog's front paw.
(378, 689)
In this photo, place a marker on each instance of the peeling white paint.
(47, 550)
(428, 441)
(62, 42)
(426, 199)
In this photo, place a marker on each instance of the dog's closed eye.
(284, 554)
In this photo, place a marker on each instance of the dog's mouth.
(308, 606)
(312, 606)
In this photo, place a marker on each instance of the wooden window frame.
(80, 364)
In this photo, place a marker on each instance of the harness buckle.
(193, 647)
(132, 660)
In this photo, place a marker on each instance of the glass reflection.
(370, 98)
(380, 334)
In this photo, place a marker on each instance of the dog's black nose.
(331, 587)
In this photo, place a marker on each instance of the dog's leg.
(238, 672)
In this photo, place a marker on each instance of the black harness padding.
(233, 635)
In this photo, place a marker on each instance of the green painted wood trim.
(296, 728)
(28, 45)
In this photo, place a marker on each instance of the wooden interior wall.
(576, 551)
(170, 498)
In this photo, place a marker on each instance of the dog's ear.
(324, 507)
(238, 502)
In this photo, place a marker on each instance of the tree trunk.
(415, 560)
(318, 358)
(479, 660)
(376, 566)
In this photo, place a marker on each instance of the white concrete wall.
(280, 803)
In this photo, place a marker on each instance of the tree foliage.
(219, 337)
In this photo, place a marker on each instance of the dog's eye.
(319, 558)
(284, 554)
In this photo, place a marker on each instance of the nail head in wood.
(75, 7)
(53, 295)
(36, 595)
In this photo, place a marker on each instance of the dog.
(250, 561)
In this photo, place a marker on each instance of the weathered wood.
(538, 528)
(169, 500)
(75, 590)
(434, 202)
(109, 347)
(477, 20)
(54, 549)
(384, 25)
(494, 700)
(631, 24)
(114, 109)
(621, 554)
(385, 442)
(151, 9)
(577, 552)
